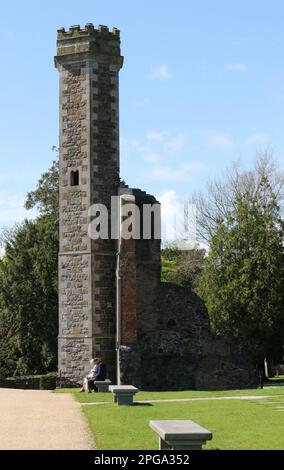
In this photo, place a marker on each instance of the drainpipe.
(118, 294)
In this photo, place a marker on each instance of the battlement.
(76, 31)
(99, 41)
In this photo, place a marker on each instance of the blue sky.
(202, 85)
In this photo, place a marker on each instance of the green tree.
(183, 267)
(243, 279)
(46, 196)
(28, 286)
(9, 351)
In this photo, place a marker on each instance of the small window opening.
(171, 323)
(74, 178)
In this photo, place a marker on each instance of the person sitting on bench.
(90, 377)
(100, 374)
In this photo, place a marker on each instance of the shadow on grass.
(142, 404)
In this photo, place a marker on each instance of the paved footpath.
(42, 420)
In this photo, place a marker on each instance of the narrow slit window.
(74, 178)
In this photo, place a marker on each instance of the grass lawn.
(235, 424)
(107, 397)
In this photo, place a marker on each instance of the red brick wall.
(128, 293)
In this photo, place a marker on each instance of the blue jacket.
(101, 372)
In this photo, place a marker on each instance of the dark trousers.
(91, 385)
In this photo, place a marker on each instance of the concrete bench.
(123, 394)
(180, 435)
(102, 386)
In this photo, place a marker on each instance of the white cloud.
(180, 173)
(169, 197)
(130, 146)
(152, 145)
(168, 201)
(178, 221)
(257, 138)
(151, 157)
(156, 136)
(12, 209)
(165, 173)
(160, 73)
(238, 67)
(221, 140)
(195, 167)
(176, 144)
(171, 144)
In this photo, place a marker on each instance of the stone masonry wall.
(105, 177)
(75, 308)
(89, 61)
(178, 351)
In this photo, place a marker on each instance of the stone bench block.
(180, 434)
(103, 386)
(123, 394)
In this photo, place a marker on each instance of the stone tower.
(88, 61)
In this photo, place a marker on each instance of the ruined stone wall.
(207, 362)
(166, 340)
(179, 352)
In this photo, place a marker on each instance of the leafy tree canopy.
(28, 286)
(183, 267)
(243, 280)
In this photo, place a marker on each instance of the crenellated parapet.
(89, 29)
(100, 41)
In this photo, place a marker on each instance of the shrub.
(48, 382)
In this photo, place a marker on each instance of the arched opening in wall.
(74, 178)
